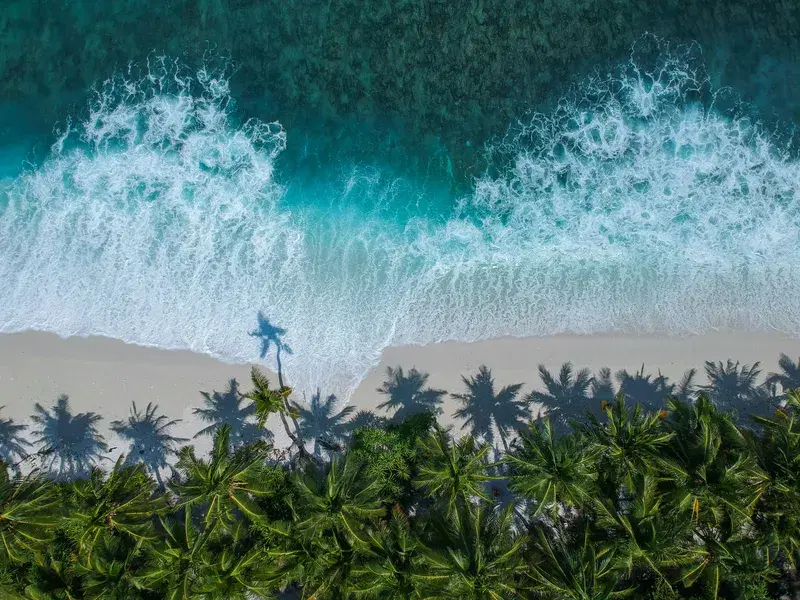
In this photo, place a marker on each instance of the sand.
(105, 376)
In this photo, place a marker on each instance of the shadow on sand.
(68, 445)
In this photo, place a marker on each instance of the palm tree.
(390, 567)
(408, 394)
(554, 472)
(484, 411)
(29, 514)
(108, 572)
(53, 575)
(228, 408)
(267, 401)
(789, 377)
(730, 560)
(226, 484)
(235, 567)
(120, 503)
(628, 443)
(452, 472)
(568, 564)
(13, 446)
(69, 444)
(177, 563)
(715, 479)
(730, 386)
(339, 499)
(325, 567)
(565, 397)
(650, 540)
(473, 553)
(150, 440)
(777, 450)
(320, 423)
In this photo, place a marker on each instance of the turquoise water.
(650, 188)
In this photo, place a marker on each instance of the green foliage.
(683, 503)
(389, 453)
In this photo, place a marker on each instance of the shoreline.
(104, 375)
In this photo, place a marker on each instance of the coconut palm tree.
(176, 564)
(473, 553)
(567, 563)
(777, 450)
(733, 387)
(716, 479)
(320, 423)
(628, 443)
(408, 394)
(390, 567)
(789, 377)
(69, 444)
(230, 408)
(54, 574)
(227, 484)
(728, 561)
(453, 473)
(325, 567)
(485, 411)
(566, 397)
(13, 446)
(267, 400)
(650, 540)
(150, 440)
(29, 514)
(108, 572)
(235, 567)
(555, 472)
(120, 503)
(337, 498)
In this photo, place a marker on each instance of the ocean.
(374, 174)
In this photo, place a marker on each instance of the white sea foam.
(160, 221)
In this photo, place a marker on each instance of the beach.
(105, 376)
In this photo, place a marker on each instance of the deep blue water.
(364, 193)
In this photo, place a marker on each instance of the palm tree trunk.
(297, 441)
(286, 400)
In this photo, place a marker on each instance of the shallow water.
(500, 179)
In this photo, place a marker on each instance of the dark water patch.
(427, 78)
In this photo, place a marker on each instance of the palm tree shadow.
(13, 446)
(363, 419)
(320, 422)
(566, 397)
(485, 411)
(408, 394)
(150, 441)
(732, 387)
(69, 445)
(271, 335)
(788, 378)
(642, 389)
(230, 408)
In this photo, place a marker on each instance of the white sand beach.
(105, 376)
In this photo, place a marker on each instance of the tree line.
(690, 497)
